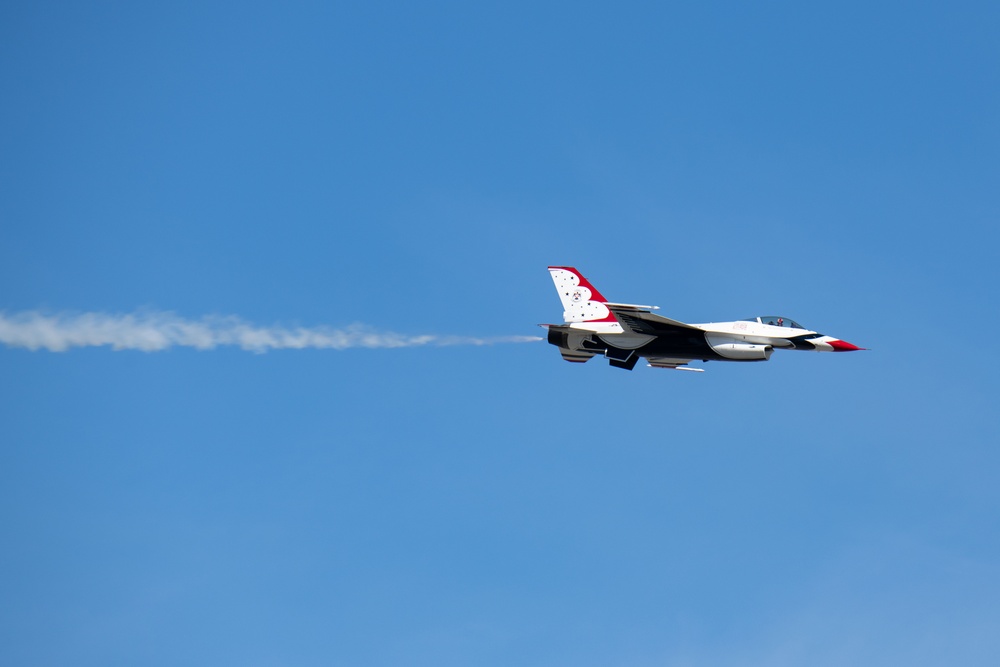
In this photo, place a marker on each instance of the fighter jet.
(624, 332)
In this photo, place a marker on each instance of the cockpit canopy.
(775, 321)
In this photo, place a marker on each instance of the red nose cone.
(843, 346)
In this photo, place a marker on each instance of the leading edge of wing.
(641, 321)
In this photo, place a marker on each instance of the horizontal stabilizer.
(576, 356)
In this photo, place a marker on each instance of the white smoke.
(154, 331)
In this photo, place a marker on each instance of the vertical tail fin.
(581, 301)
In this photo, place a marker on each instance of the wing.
(644, 322)
(637, 321)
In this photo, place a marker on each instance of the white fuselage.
(760, 333)
(754, 332)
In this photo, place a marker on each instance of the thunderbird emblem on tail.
(625, 332)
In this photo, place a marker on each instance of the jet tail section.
(581, 301)
(570, 343)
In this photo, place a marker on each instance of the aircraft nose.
(842, 346)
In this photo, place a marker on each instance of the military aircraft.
(624, 332)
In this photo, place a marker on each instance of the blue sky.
(414, 169)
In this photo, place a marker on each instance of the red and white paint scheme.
(624, 333)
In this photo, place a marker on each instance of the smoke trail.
(154, 331)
